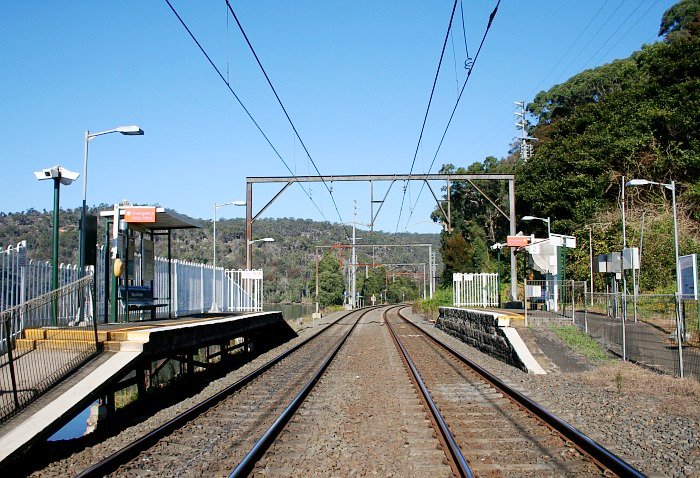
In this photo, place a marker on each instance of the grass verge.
(581, 343)
(429, 307)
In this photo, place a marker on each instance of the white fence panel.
(475, 289)
(244, 291)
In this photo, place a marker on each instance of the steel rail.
(130, 451)
(263, 444)
(461, 467)
(583, 443)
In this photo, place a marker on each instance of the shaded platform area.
(132, 355)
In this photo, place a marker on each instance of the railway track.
(210, 438)
(366, 417)
(500, 431)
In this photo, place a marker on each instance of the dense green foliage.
(441, 298)
(331, 283)
(634, 118)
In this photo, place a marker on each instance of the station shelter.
(548, 270)
(129, 268)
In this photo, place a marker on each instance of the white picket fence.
(475, 289)
(192, 283)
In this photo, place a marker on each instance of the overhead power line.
(269, 82)
(449, 122)
(571, 46)
(590, 40)
(248, 113)
(618, 29)
(427, 109)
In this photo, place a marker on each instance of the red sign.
(517, 241)
(140, 214)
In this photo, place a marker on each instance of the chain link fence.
(641, 328)
(42, 340)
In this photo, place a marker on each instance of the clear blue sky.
(354, 76)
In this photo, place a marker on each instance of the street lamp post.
(59, 175)
(680, 326)
(214, 305)
(125, 130)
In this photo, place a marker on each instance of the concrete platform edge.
(22, 435)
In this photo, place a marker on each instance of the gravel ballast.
(649, 420)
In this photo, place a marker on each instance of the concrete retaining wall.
(489, 332)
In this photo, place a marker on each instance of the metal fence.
(244, 291)
(475, 289)
(643, 329)
(192, 284)
(553, 302)
(639, 328)
(42, 340)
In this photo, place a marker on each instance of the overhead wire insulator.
(469, 64)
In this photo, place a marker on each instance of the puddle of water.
(74, 428)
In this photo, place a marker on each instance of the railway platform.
(130, 350)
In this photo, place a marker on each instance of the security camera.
(57, 172)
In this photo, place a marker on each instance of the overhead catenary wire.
(468, 61)
(618, 29)
(504, 123)
(590, 40)
(240, 102)
(630, 28)
(454, 110)
(427, 109)
(279, 100)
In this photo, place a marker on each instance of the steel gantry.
(391, 179)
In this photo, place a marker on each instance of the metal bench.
(139, 298)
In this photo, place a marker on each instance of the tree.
(681, 20)
(456, 255)
(402, 288)
(330, 281)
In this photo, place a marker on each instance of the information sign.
(688, 266)
(517, 241)
(630, 258)
(140, 214)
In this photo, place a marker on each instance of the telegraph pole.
(353, 260)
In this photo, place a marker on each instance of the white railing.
(245, 290)
(192, 288)
(475, 289)
(13, 275)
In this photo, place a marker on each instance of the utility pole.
(526, 149)
(353, 260)
(431, 267)
(317, 279)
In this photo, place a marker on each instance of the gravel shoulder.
(650, 420)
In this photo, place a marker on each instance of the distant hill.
(288, 262)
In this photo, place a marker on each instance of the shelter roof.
(166, 219)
